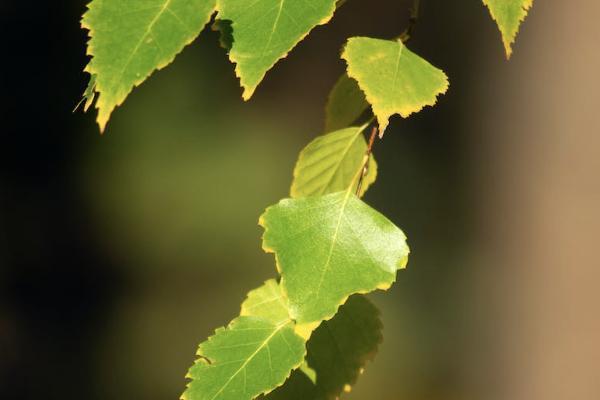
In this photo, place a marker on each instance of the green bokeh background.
(170, 197)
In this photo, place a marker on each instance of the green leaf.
(339, 349)
(298, 387)
(264, 31)
(345, 104)
(508, 15)
(250, 357)
(394, 79)
(337, 353)
(130, 39)
(267, 302)
(328, 248)
(330, 163)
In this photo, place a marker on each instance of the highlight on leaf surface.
(249, 357)
(337, 352)
(328, 248)
(330, 163)
(264, 31)
(345, 104)
(267, 302)
(131, 39)
(508, 15)
(394, 79)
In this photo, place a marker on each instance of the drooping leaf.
(339, 349)
(249, 357)
(328, 248)
(130, 39)
(297, 387)
(337, 352)
(508, 15)
(264, 31)
(345, 104)
(331, 163)
(267, 302)
(394, 79)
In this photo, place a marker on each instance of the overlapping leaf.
(249, 357)
(264, 31)
(337, 352)
(130, 39)
(328, 248)
(267, 302)
(330, 163)
(345, 104)
(508, 15)
(394, 79)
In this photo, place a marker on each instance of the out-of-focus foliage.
(345, 104)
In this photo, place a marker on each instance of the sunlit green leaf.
(264, 31)
(328, 248)
(249, 357)
(508, 14)
(394, 79)
(345, 104)
(331, 163)
(130, 39)
(267, 302)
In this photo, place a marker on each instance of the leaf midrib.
(243, 366)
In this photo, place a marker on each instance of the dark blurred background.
(120, 253)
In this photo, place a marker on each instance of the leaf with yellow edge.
(328, 248)
(131, 39)
(394, 79)
(249, 357)
(267, 302)
(331, 162)
(264, 31)
(508, 15)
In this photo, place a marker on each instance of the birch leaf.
(330, 163)
(394, 79)
(345, 104)
(337, 353)
(130, 39)
(264, 31)
(267, 302)
(508, 15)
(328, 248)
(249, 357)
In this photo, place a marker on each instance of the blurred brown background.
(120, 253)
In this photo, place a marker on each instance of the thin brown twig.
(412, 22)
(365, 167)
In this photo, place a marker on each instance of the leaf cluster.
(308, 333)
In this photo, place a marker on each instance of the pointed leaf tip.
(265, 31)
(394, 79)
(508, 14)
(130, 40)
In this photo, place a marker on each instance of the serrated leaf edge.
(104, 116)
(249, 91)
(509, 40)
(383, 121)
(202, 358)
